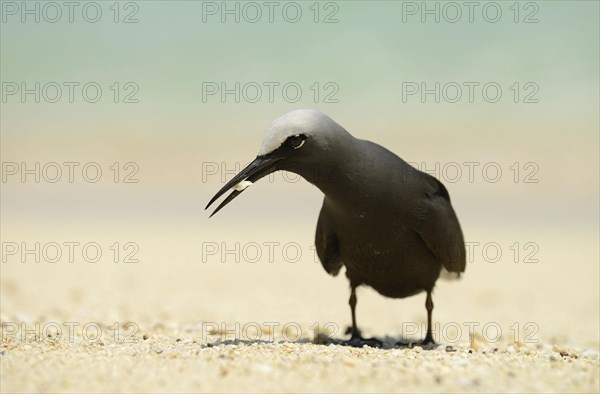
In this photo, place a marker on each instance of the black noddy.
(391, 225)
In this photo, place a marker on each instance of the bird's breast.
(386, 254)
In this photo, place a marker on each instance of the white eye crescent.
(296, 141)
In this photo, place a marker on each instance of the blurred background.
(154, 105)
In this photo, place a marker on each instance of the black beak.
(260, 167)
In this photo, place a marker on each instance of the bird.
(390, 225)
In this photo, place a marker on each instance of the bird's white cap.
(309, 122)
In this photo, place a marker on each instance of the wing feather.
(440, 230)
(328, 249)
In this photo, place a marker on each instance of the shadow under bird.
(390, 225)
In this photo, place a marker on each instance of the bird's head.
(298, 141)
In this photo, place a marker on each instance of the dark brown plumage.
(391, 226)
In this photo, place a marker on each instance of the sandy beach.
(269, 327)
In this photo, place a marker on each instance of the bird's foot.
(358, 341)
(428, 343)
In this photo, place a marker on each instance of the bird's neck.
(339, 175)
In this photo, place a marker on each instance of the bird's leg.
(429, 305)
(356, 340)
(428, 342)
(352, 301)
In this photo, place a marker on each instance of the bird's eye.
(296, 141)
